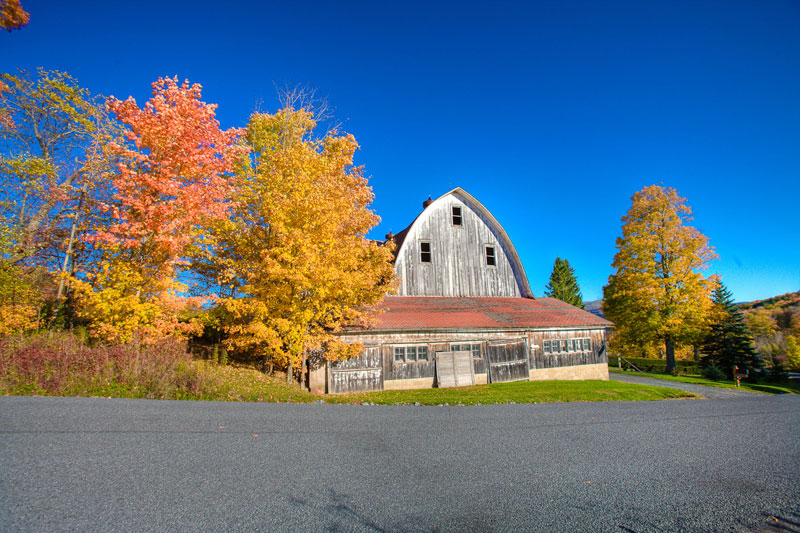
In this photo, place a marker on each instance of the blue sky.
(551, 113)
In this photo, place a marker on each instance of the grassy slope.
(783, 388)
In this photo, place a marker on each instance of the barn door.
(454, 369)
(508, 361)
(359, 374)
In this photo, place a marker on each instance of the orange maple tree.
(175, 174)
(12, 16)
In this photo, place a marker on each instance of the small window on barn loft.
(425, 252)
(457, 220)
(490, 257)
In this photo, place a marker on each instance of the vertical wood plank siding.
(369, 370)
(458, 265)
(508, 361)
(360, 374)
(596, 355)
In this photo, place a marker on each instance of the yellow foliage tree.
(792, 352)
(656, 293)
(292, 266)
(122, 305)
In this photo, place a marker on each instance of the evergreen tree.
(563, 284)
(729, 343)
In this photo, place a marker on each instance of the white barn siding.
(458, 266)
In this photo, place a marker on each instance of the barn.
(465, 314)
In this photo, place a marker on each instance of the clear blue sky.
(551, 113)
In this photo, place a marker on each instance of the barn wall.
(539, 359)
(396, 375)
(458, 266)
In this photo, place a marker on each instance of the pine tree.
(563, 284)
(729, 343)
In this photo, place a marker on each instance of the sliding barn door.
(359, 374)
(508, 361)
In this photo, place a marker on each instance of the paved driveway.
(712, 393)
(133, 465)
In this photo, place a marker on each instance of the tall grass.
(62, 364)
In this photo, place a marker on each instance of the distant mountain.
(776, 302)
(595, 307)
(784, 301)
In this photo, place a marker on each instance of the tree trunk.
(696, 352)
(669, 345)
(70, 243)
(289, 374)
(304, 372)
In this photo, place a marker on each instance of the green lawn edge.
(787, 388)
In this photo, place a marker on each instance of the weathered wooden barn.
(465, 314)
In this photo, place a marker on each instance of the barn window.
(456, 215)
(422, 353)
(490, 257)
(564, 346)
(410, 354)
(587, 345)
(474, 349)
(556, 346)
(425, 252)
(546, 347)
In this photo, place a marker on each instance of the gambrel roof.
(402, 242)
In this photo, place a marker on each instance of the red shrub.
(62, 364)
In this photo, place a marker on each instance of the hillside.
(595, 307)
(776, 302)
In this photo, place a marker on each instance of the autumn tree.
(174, 176)
(12, 16)
(728, 343)
(563, 284)
(292, 265)
(53, 162)
(656, 292)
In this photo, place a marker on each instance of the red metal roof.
(412, 312)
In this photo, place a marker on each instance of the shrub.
(713, 373)
(62, 364)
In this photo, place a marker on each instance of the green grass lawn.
(245, 384)
(518, 392)
(770, 388)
